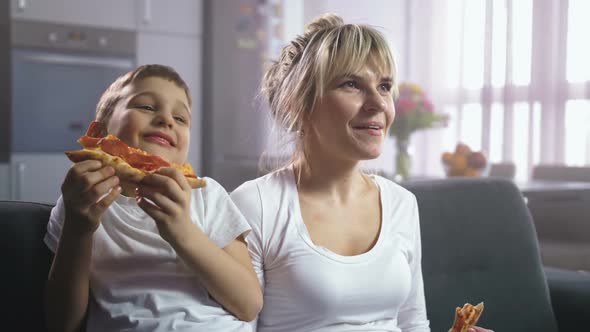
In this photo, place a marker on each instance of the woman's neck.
(339, 180)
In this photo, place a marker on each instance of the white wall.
(388, 16)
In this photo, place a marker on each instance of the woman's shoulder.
(389, 187)
(276, 180)
(269, 193)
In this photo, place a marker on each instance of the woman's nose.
(375, 102)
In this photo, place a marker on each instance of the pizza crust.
(466, 317)
(123, 170)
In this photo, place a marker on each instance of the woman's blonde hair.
(328, 50)
(113, 94)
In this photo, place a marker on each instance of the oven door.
(55, 96)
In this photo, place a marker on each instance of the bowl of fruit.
(464, 162)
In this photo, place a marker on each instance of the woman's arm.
(412, 315)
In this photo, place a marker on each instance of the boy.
(158, 257)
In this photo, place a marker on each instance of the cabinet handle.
(19, 179)
(147, 11)
(21, 5)
(78, 60)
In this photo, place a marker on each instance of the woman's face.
(352, 118)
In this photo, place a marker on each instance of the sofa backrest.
(25, 264)
(561, 173)
(479, 244)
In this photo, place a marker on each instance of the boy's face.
(153, 116)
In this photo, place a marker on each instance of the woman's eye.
(350, 84)
(385, 87)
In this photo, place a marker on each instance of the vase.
(403, 160)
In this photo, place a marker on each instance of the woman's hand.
(165, 196)
(88, 190)
(478, 329)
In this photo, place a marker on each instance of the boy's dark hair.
(112, 95)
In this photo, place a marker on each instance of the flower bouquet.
(413, 111)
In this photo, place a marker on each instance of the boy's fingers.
(106, 201)
(92, 178)
(103, 187)
(84, 177)
(176, 175)
(87, 166)
(92, 187)
(161, 183)
(149, 208)
(162, 201)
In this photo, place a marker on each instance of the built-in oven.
(58, 73)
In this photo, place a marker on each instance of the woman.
(335, 249)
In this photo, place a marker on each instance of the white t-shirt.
(137, 280)
(310, 288)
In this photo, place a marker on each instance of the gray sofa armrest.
(479, 244)
(25, 264)
(570, 298)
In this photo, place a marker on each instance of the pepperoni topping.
(135, 157)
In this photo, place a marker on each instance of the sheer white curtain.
(514, 75)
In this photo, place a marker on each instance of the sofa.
(562, 221)
(478, 243)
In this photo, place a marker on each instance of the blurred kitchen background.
(513, 76)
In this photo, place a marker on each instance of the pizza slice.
(130, 164)
(466, 317)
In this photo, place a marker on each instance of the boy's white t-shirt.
(310, 288)
(138, 282)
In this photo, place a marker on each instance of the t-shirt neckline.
(304, 233)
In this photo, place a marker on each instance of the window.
(516, 80)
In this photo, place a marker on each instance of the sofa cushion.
(479, 244)
(570, 295)
(26, 261)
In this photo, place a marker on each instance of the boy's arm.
(88, 190)
(66, 294)
(226, 273)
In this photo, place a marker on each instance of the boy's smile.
(154, 116)
(159, 137)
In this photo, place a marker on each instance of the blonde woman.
(335, 249)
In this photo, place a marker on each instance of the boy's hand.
(88, 190)
(166, 196)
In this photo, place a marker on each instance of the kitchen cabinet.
(175, 17)
(4, 182)
(236, 124)
(37, 177)
(183, 53)
(105, 13)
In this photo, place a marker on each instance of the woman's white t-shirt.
(310, 288)
(138, 282)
